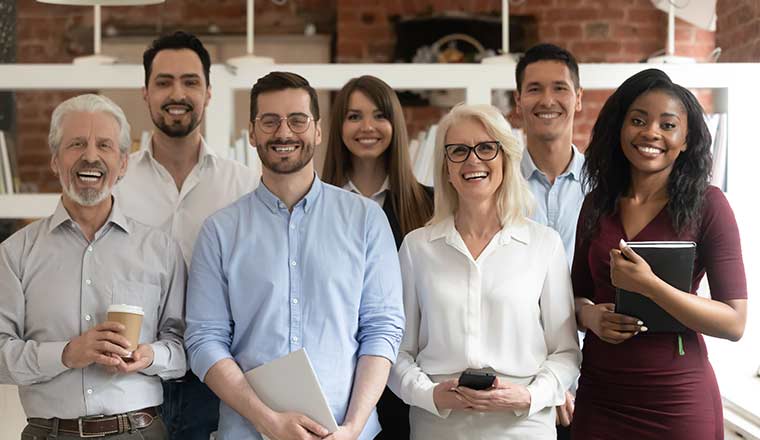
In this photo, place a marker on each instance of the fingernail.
(640, 322)
(623, 243)
(643, 329)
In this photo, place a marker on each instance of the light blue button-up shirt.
(265, 282)
(557, 205)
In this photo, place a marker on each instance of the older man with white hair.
(59, 275)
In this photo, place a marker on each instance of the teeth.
(551, 115)
(650, 150)
(284, 149)
(177, 111)
(90, 174)
(475, 175)
(368, 141)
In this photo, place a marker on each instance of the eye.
(668, 125)
(380, 115)
(104, 145)
(163, 83)
(561, 88)
(192, 82)
(638, 122)
(353, 117)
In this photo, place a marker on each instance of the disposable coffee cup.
(131, 317)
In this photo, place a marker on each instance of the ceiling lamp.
(700, 13)
(505, 56)
(249, 59)
(97, 57)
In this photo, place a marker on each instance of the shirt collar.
(61, 216)
(205, 154)
(275, 204)
(349, 186)
(528, 167)
(445, 229)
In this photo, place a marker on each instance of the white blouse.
(511, 310)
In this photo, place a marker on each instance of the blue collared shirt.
(557, 205)
(265, 282)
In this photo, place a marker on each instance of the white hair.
(514, 200)
(89, 103)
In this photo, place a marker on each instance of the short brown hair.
(276, 81)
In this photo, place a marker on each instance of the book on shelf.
(7, 180)
(671, 261)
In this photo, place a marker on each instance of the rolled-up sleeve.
(209, 321)
(561, 367)
(381, 313)
(21, 362)
(169, 360)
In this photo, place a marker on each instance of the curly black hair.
(607, 172)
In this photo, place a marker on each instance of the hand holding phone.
(476, 380)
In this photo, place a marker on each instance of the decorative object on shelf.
(249, 59)
(700, 13)
(97, 57)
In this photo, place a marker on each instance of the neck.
(648, 187)
(368, 175)
(89, 218)
(177, 155)
(551, 157)
(477, 219)
(289, 188)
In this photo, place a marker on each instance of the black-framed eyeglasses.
(297, 122)
(485, 151)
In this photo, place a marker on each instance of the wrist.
(64, 356)
(264, 420)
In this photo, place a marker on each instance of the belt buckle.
(82, 434)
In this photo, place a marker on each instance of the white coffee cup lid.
(125, 308)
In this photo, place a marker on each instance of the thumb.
(313, 426)
(629, 253)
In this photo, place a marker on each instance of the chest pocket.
(145, 295)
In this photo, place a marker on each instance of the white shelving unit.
(734, 86)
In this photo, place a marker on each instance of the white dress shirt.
(149, 194)
(510, 310)
(378, 197)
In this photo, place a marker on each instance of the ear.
(123, 165)
(145, 93)
(516, 95)
(317, 133)
(54, 164)
(252, 134)
(579, 100)
(208, 96)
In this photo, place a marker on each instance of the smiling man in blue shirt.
(294, 264)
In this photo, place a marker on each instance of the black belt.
(99, 426)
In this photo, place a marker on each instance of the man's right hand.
(293, 426)
(445, 396)
(96, 345)
(607, 325)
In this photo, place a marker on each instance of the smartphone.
(476, 380)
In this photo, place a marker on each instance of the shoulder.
(27, 236)
(152, 236)
(541, 235)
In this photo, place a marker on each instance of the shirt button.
(292, 226)
(293, 263)
(294, 339)
(89, 390)
(89, 249)
(88, 282)
(87, 317)
(295, 301)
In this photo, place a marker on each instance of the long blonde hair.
(513, 198)
(409, 201)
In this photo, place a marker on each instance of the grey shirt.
(55, 285)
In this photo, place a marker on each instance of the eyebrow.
(666, 114)
(278, 115)
(184, 75)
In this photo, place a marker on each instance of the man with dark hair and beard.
(295, 264)
(176, 183)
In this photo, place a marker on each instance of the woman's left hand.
(502, 396)
(629, 271)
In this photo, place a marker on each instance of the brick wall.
(738, 30)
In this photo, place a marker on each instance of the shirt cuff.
(423, 398)
(378, 347)
(539, 399)
(204, 357)
(160, 359)
(50, 358)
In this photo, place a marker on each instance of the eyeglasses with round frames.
(297, 122)
(484, 151)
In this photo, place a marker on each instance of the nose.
(283, 130)
(651, 132)
(178, 91)
(90, 153)
(366, 124)
(547, 97)
(473, 158)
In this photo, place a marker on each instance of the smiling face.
(548, 101)
(89, 162)
(654, 133)
(177, 93)
(474, 180)
(283, 151)
(366, 131)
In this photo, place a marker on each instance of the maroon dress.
(642, 388)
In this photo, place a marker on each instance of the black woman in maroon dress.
(648, 168)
